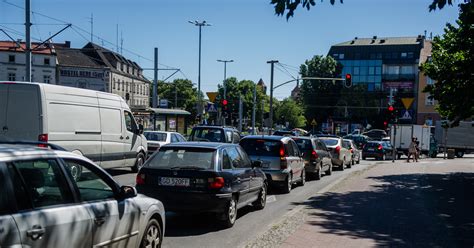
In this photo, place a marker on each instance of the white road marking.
(271, 198)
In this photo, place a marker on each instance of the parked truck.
(460, 138)
(402, 134)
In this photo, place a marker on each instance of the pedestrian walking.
(418, 149)
(412, 151)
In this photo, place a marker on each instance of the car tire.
(262, 198)
(349, 165)
(138, 162)
(230, 213)
(288, 184)
(459, 154)
(353, 162)
(329, 171)
(302, 179)
(318, 174)
(153, 235)
(358, 160)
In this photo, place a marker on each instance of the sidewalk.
(424, 204)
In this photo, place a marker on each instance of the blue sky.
(246, 31)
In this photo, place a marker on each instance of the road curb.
(295, 215)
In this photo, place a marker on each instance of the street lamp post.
(200, 25)
(225, 75)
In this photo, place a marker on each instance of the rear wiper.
(186, 168)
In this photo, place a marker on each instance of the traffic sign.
(211, 108)
(407, 102)
(406, 115)
(212, 96)
(313, 122)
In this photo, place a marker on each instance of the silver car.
(281, 159)
(43, 205)
(341, 156)
(157, 139)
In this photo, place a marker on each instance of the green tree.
(289, 6)
(319, 97)
(290, 111)
(452, 67)
(183, 91)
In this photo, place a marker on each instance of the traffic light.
(348, 81)
(391, 109)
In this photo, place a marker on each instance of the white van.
(97, 125)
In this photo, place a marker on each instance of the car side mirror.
(128, 191)
(257, 164)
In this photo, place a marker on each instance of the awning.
(165, 111)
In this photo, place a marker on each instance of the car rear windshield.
(155, 136)
(372, 144)
(183, 158)
(261, 147)
(304, 144)
(207, 134)
(330, 142)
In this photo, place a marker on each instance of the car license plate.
(265, 164)
(370, 150)
(174, 181)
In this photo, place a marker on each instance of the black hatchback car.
(377, 149)
(204, 177)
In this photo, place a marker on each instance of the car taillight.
(216, 182)
(338, 149)
(140, 180)
(282, 151)
(350, 150)
(43, 138)
(380, 147)
(314, 155)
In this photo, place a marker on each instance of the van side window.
(130, 122)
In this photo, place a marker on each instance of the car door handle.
(121, 137)
(99, 221)
(127, 137)
(36, 232)
(238, 179)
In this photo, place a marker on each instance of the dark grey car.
(316, 156)
(281, 159)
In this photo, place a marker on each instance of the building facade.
(13, 66)
(388, 66)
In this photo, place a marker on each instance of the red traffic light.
(391, 108)
(348, 81)
(385, 123)
(224, 102)
(348, 76)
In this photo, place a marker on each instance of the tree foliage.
(452, 67)
(290, 111)
(289, 6)
(185, 92)
(320, 97)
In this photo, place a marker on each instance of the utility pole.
(263, 110)
(28, 40)
(155, 81)
(272, 62)
(253, 107)
(241, 110)
(225, 74)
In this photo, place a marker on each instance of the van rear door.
(20, 111)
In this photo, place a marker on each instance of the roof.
(261, 83)
(197, 144)
(383, 41)
(10, 46)
(169, 111)
(76, 57)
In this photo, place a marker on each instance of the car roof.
(217, 127)
(149, 131)
(268, 137)
(198, 144)
(14, 152)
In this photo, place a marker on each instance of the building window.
(429, 81)
(341, 56)
(46, 79)
(403, 55)
(410, 55)
(113, 85)
(121, 67)
(46, 61)
(429, 101)
(11, 58)
(11, 76)
(336, 55)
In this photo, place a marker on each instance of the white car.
(43, 205)
(341, 156)
(157, 139)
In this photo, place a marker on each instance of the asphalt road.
(202, 230)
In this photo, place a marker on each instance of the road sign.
(406, 115)
(212, 96)
(407, 102)
(211, 108)
(314, 123)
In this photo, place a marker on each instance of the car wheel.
(319, 173)
(262, 198)
(358, 160)
(288, 184)
(230, 214)
(303, 178)
(329, 171)
(353, 161)
(152, 235)
(364, 158)
(459, 154)
(349, 165)
(75, 170)
(138, 162)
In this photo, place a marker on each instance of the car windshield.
(260, 147)
(304, 144)
(207, 134)
(330, 142)
(372, 144)
(155, 136)
(183, 158)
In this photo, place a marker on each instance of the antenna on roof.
(116, 39)
(121, 42)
